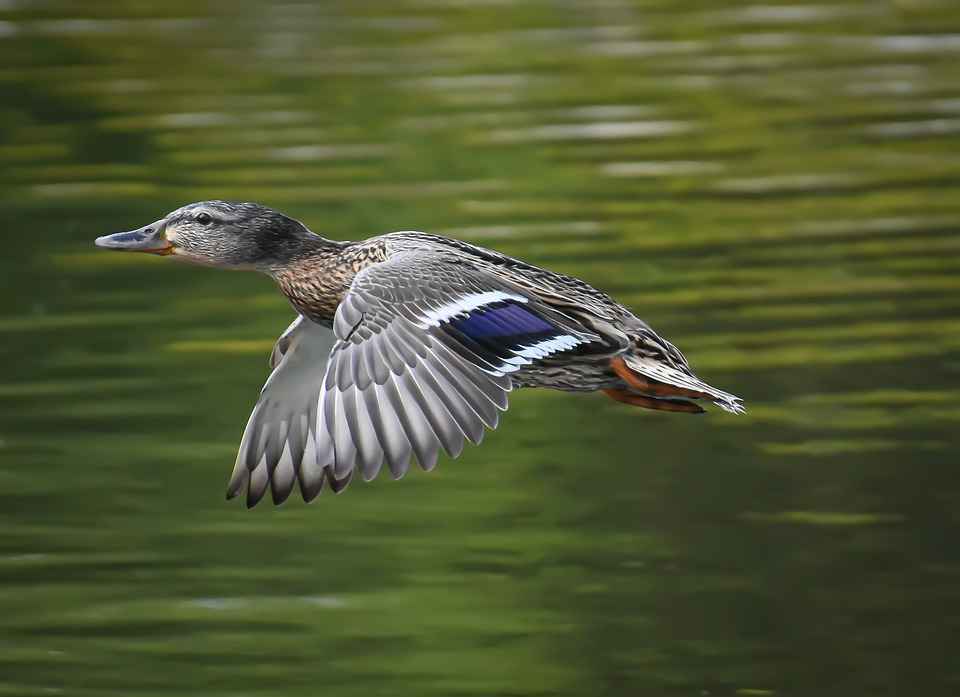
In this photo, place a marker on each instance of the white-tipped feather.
(465, 303)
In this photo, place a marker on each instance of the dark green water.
(772, 186)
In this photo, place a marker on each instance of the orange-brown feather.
(653, 387)
(639, 400)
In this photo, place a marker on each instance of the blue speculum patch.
(505, 323)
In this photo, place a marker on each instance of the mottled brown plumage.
(316, 284)
(407, 345)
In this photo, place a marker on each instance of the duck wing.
(279, 441)
(426, 345)
(423, 352)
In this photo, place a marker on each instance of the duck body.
(407, 344)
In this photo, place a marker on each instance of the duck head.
(219, 233)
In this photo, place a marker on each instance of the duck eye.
(204, 219)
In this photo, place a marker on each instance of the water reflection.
(769, 185)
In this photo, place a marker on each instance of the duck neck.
(315, 277)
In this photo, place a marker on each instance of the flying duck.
(407, 343)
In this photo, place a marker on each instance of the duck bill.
(149, 239)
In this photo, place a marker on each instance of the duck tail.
(666, 387)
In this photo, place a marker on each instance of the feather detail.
(655, 378)
(639, 400)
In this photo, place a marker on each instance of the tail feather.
(656, 378)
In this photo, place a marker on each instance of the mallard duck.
(407, 343)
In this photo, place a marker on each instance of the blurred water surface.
(774, 186)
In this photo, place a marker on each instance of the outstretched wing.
(422, 352)
(425, 349)
(279, 443)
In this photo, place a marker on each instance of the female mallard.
(407, 343)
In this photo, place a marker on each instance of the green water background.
(773, 186)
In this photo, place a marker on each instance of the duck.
(408, 344)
